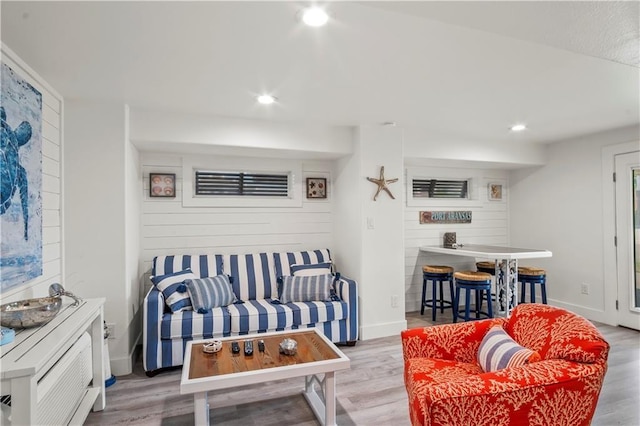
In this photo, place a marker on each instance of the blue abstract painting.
(20, 180)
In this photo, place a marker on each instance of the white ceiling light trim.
(315, 17)
(518, 127)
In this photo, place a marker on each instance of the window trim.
(293, 168)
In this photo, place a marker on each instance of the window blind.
(215, 183)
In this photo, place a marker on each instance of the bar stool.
(532, 276)
(487, 267)
(480, 282)
(436, 274)
(490, 268)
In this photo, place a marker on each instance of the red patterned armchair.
(447, 386)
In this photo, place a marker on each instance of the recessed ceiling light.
(314, 17)
(266, 99)
(518, 127)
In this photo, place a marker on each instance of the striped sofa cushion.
(262, 315)
(283, 261)
(190, 324)
(252, 275)
(202, 265)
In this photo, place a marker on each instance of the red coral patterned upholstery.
(446, 386)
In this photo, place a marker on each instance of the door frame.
(610, 268)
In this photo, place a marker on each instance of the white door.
(627, 168)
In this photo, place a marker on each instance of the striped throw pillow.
(211, 292)
(313, 288)
(174, 290)
(498, 350)
(313, 269)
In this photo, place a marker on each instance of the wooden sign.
(451, 216)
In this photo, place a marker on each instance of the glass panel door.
(627, 168)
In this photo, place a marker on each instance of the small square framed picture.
(495, 191)
(162, 185)
(316, 188)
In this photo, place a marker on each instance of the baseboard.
(124, 365)
(382, 330)
(588, 313)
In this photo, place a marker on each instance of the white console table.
(39, 369)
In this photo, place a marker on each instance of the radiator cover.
(62, 388)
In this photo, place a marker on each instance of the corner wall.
(559, 207)
(381, 230)
(98, 262)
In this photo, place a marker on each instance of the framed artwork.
(495, 192)
(21, 189)
(316, 188)
(162, 185)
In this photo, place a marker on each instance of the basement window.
(219, 181)
(440, 188)
(244, 184)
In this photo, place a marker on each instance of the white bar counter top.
(489, 252)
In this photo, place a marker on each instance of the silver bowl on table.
(30, 312)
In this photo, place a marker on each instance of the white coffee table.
(316, 355)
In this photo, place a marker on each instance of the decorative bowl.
(288, 346)
(30, 312)
(212, 346)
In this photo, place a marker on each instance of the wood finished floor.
(370, 393)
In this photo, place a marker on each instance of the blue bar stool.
(480, 282)
(437, 275)
(532, 276)
(489, 268)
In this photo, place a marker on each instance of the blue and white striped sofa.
(254, 281)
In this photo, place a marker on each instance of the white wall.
(52, 193)
(170, 228)
(425, 144)
(158, 131)
(381, 287)
(133, 218)
(95, 212)
(347, 212)
(559, 207)
(489, 225)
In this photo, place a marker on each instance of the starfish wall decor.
(382, 184)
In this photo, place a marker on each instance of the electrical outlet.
(111, 330)
(584, 289)
(394, 301)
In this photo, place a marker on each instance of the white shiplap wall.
(170, 228)
(489, 226)
(52, 244)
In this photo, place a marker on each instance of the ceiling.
(455, 70)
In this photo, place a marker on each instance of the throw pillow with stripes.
(174, 290)
(313, 269)
(211, 292)
(498, 350)
(306, 288)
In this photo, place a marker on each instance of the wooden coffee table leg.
(201, 409)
